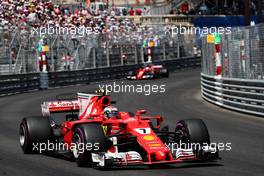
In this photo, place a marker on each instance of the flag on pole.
(217, 38)
(210, 38)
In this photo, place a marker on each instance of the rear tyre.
(91, 135)
(131, 73)
(32, 132)
(192, 131)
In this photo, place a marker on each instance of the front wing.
(133, 158)
(143, 77)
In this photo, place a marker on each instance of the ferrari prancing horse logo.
(105, 129)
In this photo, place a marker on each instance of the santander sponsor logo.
(63, 104)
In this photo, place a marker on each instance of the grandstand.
(191, 7)
(16, 46)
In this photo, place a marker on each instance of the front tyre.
(192, 131)
(87, 138)
(195, 133)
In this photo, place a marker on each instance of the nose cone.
(160, 156)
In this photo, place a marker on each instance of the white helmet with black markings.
(110, 111)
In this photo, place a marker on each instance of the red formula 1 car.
(92, 138)
(148, 72)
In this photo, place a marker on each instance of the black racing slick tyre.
(92, 137)
(32, 132)
(131, 73)
(193, 131)
(165, 73)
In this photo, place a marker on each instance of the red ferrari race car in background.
(148, 71)
(113, 138)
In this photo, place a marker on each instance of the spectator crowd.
(112, 28)
(43, 14)
(227, 7)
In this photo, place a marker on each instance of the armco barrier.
(237, 94)
(12, 84)
(57, 79)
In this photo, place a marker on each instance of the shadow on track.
(163, 167)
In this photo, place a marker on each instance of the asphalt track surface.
(181, 101)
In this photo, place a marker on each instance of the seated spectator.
(117, 12)
(124, 12)
(138, 11)
(131, 12)
(145, 11)
(113, 13)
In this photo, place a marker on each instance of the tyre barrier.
(13, 84)
(241, 95)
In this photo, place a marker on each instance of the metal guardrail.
(242, 95)
(237, 60)
(58, 79)
(13, 84)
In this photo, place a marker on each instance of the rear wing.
(59, 106)
(84, 103)
(157, 66)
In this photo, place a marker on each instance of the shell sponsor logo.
(149, 137)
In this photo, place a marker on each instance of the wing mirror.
(140, 112)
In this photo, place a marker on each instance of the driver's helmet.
(110, 111)
(149, 66)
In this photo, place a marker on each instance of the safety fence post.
(94, 58)
(164, 51)
(142, 54)
(122, 55)
(178, 51)
(243, 56)
(136, 55)
(218, 60)
(44, 80)
(107, 57)
(23, 61)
